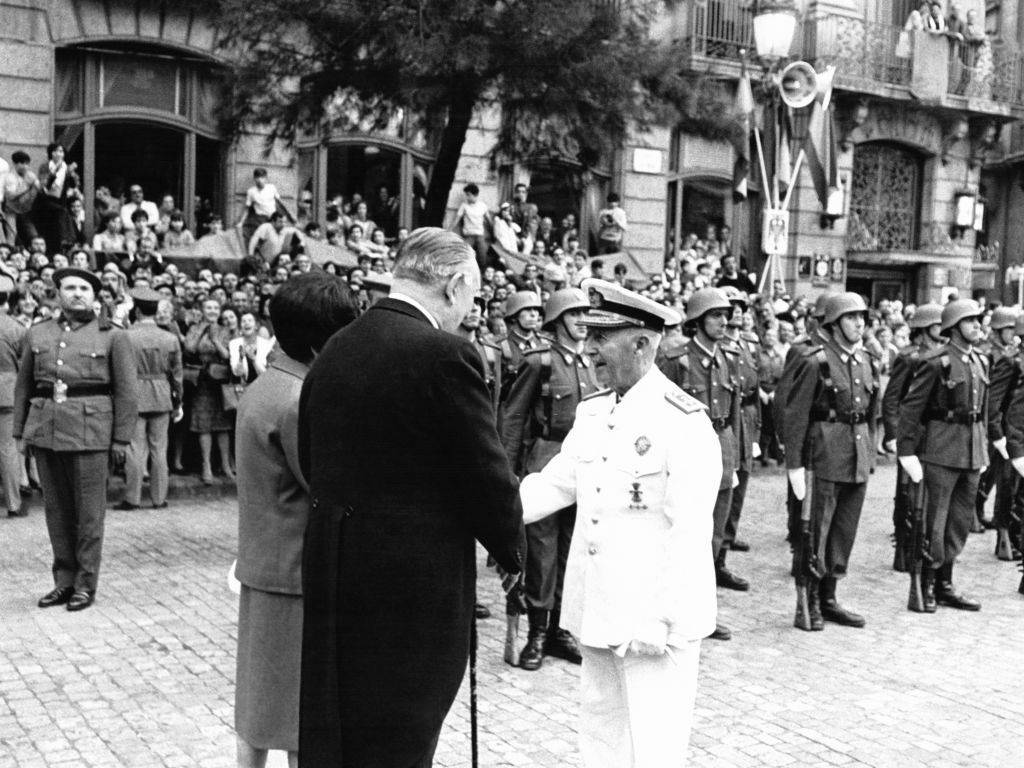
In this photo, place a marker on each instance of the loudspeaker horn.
(798, 84)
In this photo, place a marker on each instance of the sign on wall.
(646, 160)
(775, 231)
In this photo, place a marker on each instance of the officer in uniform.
(747, 347)
(1006, 377)
(706, 370)
(490, 354)
(942, 441)
(924, 335)
(642, 463)
(74, 404)
(522, 316)
(829, 427)
(158, 367)
(815, 335)
(1002, 350)
(538, 414)
(12, 340)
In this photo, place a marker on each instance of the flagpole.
(760, 159)
(793, 179)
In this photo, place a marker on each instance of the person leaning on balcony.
(935, 23)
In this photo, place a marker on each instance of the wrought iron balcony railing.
(860, 50)
(986, 70)
(718, 29)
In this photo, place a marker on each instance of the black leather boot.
(832, 611)
(726, 578)
(1004, 547)
(532, 655)
(560, 642)
(946, 594)
(814, 607)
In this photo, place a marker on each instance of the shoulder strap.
(685, 402)
(826, 379)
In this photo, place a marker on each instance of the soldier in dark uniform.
(828, 425)
(74, 405)
(942, 440)
(490, 354)
(814, 335)
(705, 370)
(158, 366)
(1006, 377)
(522, 317)
(925, 335)
(747, 347)
(538, 414)
(1013, 426)
(1002, 350)
(12, 341)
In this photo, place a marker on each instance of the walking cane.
(472, 691)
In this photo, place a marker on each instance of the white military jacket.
(644, 473)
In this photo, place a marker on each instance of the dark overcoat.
(397, 438)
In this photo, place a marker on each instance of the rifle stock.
(919, 548)
(803, 557)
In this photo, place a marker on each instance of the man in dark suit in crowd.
(397, 439)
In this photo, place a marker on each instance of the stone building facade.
(131, 88)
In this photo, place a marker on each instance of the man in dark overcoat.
(397, 439)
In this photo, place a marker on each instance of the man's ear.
(450, 286)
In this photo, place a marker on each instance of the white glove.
(798, 483)
(912, 466)
(1018, 464)
(755, 450)
(765, 397)
(890, 446)
(652, 640)
(234, 585)
(1000, 445)
(735, 479)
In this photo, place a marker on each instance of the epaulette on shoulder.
(487, 344)
(595, 395)
(749, 336)
(685, 402)
(940, 353)
(813, 349)
(731, 347)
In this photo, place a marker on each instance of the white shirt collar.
(412, 302)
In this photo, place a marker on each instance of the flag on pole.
(820, 143)
(744, 114)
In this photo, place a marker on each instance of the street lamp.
(964, 201)
(774, 27)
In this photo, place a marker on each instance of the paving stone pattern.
(145, 677)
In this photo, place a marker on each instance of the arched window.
(885, 196)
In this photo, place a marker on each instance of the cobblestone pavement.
(145, 677)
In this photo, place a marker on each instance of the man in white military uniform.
(642, 464)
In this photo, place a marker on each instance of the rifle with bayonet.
(921, 576)
(806, 568)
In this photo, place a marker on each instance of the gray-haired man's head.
(439, 270)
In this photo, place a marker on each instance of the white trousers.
(637, 711)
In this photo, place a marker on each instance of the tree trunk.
(453, 137)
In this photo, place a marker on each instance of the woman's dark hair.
(52, 146)
(307, 310)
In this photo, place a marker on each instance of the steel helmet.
(840, 304)
(735, 295)
(958, 310)
(819, 304)
(925, 316)
(705, 300)
(563, 301)
(1003, 317)
(519, 301)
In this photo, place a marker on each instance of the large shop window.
(885, 203)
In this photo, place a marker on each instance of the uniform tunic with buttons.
(490, 356)
(831, 430)
(708, 376)
(899, 382)
(12, 340)
(643, 473)
(75, 354)
(747, 348)
(942, 416)
(513, 347)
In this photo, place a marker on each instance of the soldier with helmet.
(747, 347)
(705, 369)
(924, 335)
(538, 414)
(522, 318)
(828, 426)
(814, 335)
(1002, 350)
(942, 441)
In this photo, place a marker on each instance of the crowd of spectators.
(221, 316)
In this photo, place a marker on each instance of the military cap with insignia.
(146, 299)
(83, 274)
(613, 306)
